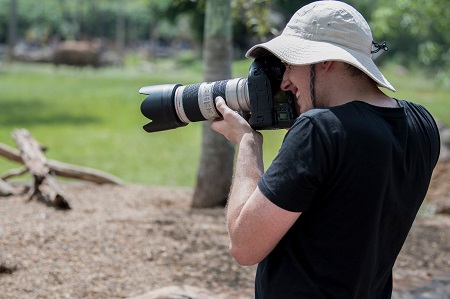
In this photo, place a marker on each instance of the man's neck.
(364, 90)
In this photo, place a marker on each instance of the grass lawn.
(92, 117)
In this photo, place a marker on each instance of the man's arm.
(255, 224)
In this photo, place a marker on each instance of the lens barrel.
(196, 102)
(170, 106)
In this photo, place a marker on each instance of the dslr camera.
(257, 98)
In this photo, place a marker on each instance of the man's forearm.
(248, 171)
(255, 224)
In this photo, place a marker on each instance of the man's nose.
(285, 83)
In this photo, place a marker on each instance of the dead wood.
(14, 172)
(64, 169)
(10, 153)
(82, 173)
(5, 188)
(45, 188)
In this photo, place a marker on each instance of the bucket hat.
(325, 31)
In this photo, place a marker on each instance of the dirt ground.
(124, 241)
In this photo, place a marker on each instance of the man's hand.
(232, 125)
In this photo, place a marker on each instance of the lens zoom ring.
(219, 88)
(190, 102)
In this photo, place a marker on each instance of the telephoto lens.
(170, 106)
(258, 98)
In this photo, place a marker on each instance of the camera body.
(258, 98)
(270, 107)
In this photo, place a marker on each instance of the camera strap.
(311, 85)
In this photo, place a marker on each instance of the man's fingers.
(221, 105)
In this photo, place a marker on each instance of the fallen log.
(82, 173)
(6, 189)
(64, 169)
(10, 153)
(45, 188)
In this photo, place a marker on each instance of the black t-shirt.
(358, 173)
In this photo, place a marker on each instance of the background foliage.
(417, 31)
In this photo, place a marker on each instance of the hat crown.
(332, 22)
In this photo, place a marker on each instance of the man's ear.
(326, 65)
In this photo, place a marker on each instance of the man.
(331, 213)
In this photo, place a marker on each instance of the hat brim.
(298, 51)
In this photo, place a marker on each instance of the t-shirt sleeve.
(293, 179)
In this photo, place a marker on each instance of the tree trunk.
(216, 162)
(120, 29)
(12, 29)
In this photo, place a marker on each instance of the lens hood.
(159, 107)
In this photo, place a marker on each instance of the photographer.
(331, 213)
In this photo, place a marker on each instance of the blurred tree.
(39, 21)
(252, 20)
(12, 28)
(193, 9)
(255, 15)
(417, 31)
(266, 18)
(69, 19)
(216, 162)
